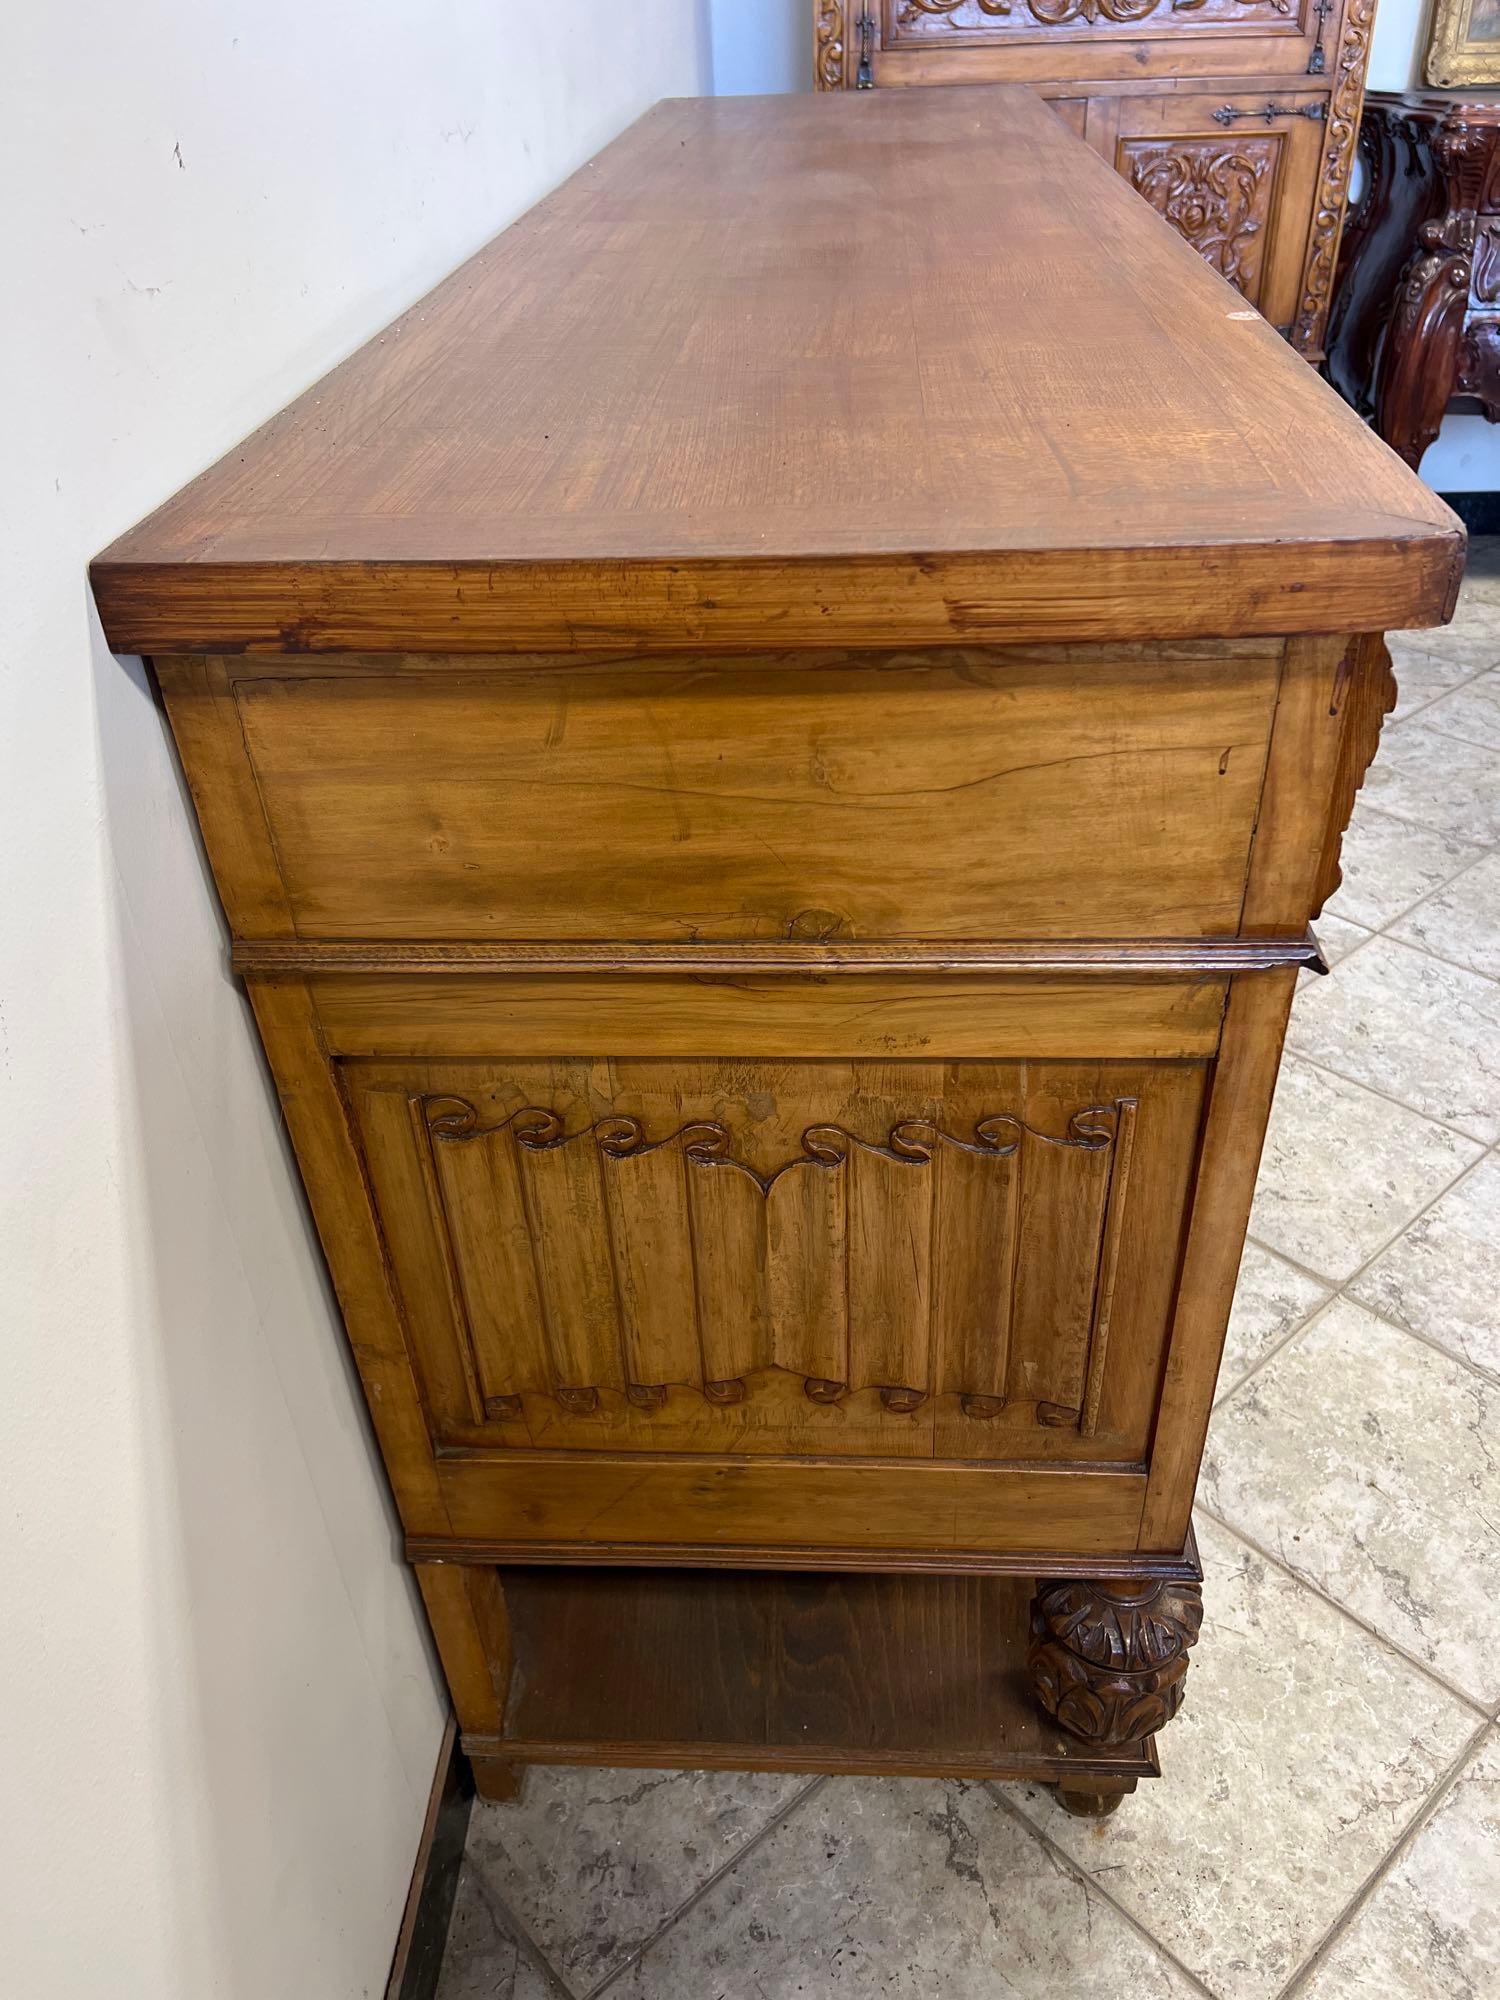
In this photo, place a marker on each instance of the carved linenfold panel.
(1217, 194)
(891, 1260)
(870, 1256)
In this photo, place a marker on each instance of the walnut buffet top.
(905, 367)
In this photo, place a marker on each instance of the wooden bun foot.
(496, 1780)
(1084, 1804)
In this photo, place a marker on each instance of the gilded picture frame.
(1463, 44)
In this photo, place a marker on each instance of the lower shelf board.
(898, 1675)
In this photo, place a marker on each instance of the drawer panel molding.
(290, 957)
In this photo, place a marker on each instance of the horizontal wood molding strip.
(794, 1556)
(295, 957)
(669, 1754)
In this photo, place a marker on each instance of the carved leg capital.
(1108, 1659)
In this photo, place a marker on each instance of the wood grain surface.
(899, 1674)
(836, 369)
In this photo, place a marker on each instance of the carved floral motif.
(1059, 13)
(1108, 1660)
(1213, 194)
(1333, 188)
(828, 45)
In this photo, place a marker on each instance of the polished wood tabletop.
(914, 366)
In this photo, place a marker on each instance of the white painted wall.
(218, 1718)
(763, 45)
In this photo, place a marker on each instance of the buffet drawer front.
(827, 1250)
(982, 795)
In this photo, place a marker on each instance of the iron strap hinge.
(1228, 113)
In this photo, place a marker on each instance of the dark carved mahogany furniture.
(1416, 317)
(768, 752)
(1236, 119)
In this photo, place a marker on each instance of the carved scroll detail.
(1333, 187)
(633, 1262)
(1365, 694)
(828, 45)
(1215, 196)
(1487, 264)
(910, 1142)
(1059, 13)
(1108, 1660)
(1425, 353)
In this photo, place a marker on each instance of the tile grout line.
(1340, 1285)
(1340, 1289)
(1061, 1859)
(1449, 735)
(1271, 1352)
(1408, 944)
(1470, 1702)
(1386, 928)
(772, 1825)
(1365, 1893)
(1385, 1096)
(1342, 1292)
(506, 1921)
(1432, 701)
(1424, 950)
(1443, 832)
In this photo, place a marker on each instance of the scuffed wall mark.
(177, 156)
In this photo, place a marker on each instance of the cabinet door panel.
(962, 1260)
(1235, 182)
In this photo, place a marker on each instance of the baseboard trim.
(1479, 512)
(434, 1882)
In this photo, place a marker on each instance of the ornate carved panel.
(1333, 186)
(1217, 194)
(876, 1239)
(828, 45)
(910, 21)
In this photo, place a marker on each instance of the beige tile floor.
(1329, 1823)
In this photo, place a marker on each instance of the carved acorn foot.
(1108, 1659)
